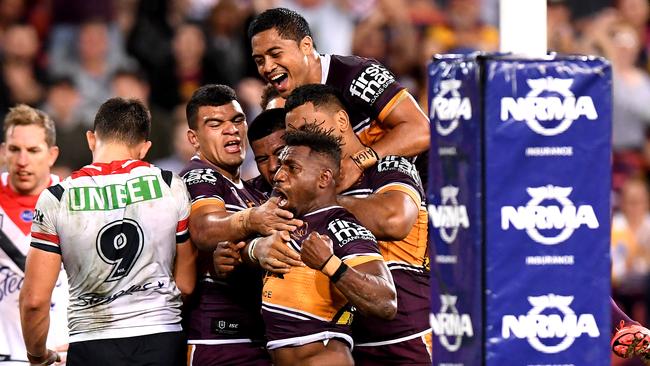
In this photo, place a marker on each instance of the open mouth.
(233, 146)
(278, 80)
(281, 195)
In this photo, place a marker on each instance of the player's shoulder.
(198, 171)
(343, 227)
(393, 164)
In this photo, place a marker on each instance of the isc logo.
(539, 328)
(449, 217)
(558, 104)
(533, 217)
(448, 107)
(448, 323)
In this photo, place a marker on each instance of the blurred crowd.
(68, 56)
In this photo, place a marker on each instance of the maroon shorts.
(244, 354)
(416, 351)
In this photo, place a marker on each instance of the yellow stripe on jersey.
(413, 248)
(392, 104)
(415, 196)
(355, 261)
(208, 201)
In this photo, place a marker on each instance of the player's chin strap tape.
(167, 177)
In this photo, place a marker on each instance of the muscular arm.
(185, 267)
(369, 287)
(406, 122)
(211, 223)
(41, 272)
(388, 215)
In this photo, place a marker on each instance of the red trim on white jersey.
(114, 167)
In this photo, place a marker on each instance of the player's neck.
(321, 201)
(316, 71)
(352, 145)
(109, 152)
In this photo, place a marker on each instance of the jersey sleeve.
(396, 173)
(375, 90)
(353, 243)
(182, 197)
(44, 234)
(204, 187)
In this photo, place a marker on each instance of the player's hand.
(275, 255)
(350, 174)
(316, 250)
(48, 358)
(226, 257)
(270, 217)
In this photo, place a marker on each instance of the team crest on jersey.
(300, 232)
(371, 83)
(346, 231)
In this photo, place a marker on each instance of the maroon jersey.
(227, 310)
(303, 306)
(407, 259)
(367, 87)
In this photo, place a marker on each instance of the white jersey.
(116, 226)
(16, 213)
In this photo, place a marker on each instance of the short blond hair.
(24, 115)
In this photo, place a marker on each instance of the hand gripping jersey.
(303, 306)
(16, 214)
(407, 259)
(369, 89)
(222, 311)
(116, 226)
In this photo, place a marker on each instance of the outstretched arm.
(393, 213)
(211, 224)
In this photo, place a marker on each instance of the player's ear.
(193, 138)
(92, 140)
(53, 154)
(342, 120)
(306, 45)
(326, 178)
(144, 149)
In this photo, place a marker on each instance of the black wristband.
(339, 272)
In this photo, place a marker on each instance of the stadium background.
(68, 56)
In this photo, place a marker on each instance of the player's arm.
(41, 272)
(389, 215)
(367, 286)
(185, 267)
(404, 122)
(211, 223)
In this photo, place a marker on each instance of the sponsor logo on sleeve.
(549, 108)
(346, 231)
(371, 83)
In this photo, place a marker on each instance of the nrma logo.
(550, 320)
(449, 325)
(448, 107)
(550, 224)
(449, 216)
(550, 100)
